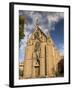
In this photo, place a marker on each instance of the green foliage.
(21, 27)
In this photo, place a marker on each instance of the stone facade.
(41, 56)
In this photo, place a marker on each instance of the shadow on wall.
(60, 68)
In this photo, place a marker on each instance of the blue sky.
(52, 22)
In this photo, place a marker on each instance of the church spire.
(37, 22)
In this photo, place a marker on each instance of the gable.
(38, 34)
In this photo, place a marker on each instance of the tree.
(21, 28)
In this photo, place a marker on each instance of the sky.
(52, 22)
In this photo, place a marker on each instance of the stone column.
(50, 60)
(28, 62)
(33, 62)
(47, 60)
(42, 61)
(28, 69)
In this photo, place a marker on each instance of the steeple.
(37, 22)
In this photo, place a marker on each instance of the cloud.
(53, 18)
(47, 19)
(21, 52)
